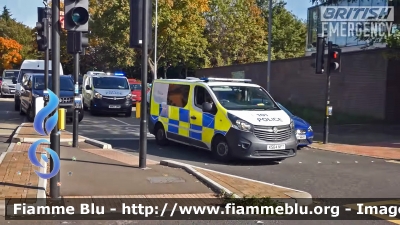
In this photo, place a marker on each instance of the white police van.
(28, 66)
(104, 93)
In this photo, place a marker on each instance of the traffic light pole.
(76, 110)
(328, 92)
(55, 64)
(143, 107)
(46, 57)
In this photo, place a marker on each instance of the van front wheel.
(221, 150)
(161, 138)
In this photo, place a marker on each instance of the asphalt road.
(323, 174)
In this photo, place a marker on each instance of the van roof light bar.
(208, 79)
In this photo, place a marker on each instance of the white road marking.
(120, 121)
(393, 161)
(123, 139)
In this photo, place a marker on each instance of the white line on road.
(123, 139)
(120, 121)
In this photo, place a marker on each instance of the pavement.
(325, 174)
(9, 119)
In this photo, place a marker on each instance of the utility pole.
(55, 64)
(140, 38)
(327, 95)
(76, 22)
(143, 107)
(76, 111)
(334, 65)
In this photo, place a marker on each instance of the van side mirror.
(14, 80)
(207, 107)
(88, 87)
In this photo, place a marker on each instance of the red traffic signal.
(334, 60)
(335, 55)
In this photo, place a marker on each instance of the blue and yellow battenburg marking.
(177, 120)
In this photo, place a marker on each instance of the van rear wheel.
(221, 150)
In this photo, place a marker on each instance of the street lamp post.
(155, 43)
(269, 44)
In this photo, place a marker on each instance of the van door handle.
(193, 117)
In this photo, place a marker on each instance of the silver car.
(7, 87)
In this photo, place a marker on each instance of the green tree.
(10, 28)
(181, 40)
(236, 33)
(110, 28)
(288, 31)
(180, 33)
(6, 14)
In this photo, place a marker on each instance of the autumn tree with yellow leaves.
(10, 53)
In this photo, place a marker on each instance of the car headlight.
(291, 124)
(243, 125)
(310, 129)
(298, 131)
(129, 96)
(98, 95)
(239, 124)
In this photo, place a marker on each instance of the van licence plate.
(114, 106)
(301, 137)
(276, 147)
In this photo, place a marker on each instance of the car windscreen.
(24, 71)
(11, 74)
(110, 83)
(135, 87)
(244, 98)
(66, 83)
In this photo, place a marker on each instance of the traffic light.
(85, 42)
(319, 57)
(136, 23)
(76, 15)
(42, 27)
(77, 42)
(334, 60)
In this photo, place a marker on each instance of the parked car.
(7, 88)
(33, 88)
(304, 131)
(136, 90)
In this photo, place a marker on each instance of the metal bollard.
(138, 105)
(62, 118)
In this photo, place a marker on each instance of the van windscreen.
(110, 83)
(24, 71)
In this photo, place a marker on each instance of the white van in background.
(29, 66)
